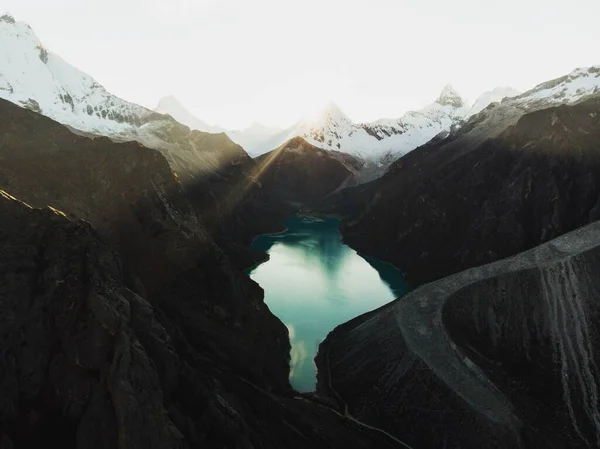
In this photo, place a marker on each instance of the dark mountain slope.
(472, 199)
(131, 196)
(88, 363)
(300, 172)
(505, 355)
(74, 375)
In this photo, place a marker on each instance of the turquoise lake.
(313, 282)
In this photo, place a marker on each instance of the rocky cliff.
(500, 356)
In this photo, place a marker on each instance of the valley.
(427, 281)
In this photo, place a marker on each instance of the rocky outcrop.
(505, 182)
(300, 172)
(501, 356)
(73, 372)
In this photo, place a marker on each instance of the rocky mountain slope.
(500, 356)
(509, 179)
(132, 329)
(39, 80)
(300, 172)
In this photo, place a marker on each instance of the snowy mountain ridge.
(387, 139)
(577, 85)
(34, 78)
(37, 79)
(375, 141)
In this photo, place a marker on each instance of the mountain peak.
(168, 102)
(450, 97)
(331, 112)
(8, 18)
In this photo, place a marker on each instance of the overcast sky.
(234, 61)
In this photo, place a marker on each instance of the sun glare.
(304, 97)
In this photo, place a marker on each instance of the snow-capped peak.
(450, 97)
(173, 107)
(35, 78)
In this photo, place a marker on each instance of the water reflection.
(313, 282)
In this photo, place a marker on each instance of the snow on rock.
(450, 97)
(575, 86)
(34, 78)
(416, 128)
(388, 139)
(376, 141)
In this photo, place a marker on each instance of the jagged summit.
(8, 18)
(450, 97)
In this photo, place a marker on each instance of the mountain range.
(35, 78)
(377, 141)
(41, 81)
(128, 320)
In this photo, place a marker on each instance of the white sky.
(234, 61)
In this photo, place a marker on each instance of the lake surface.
(313, 282)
